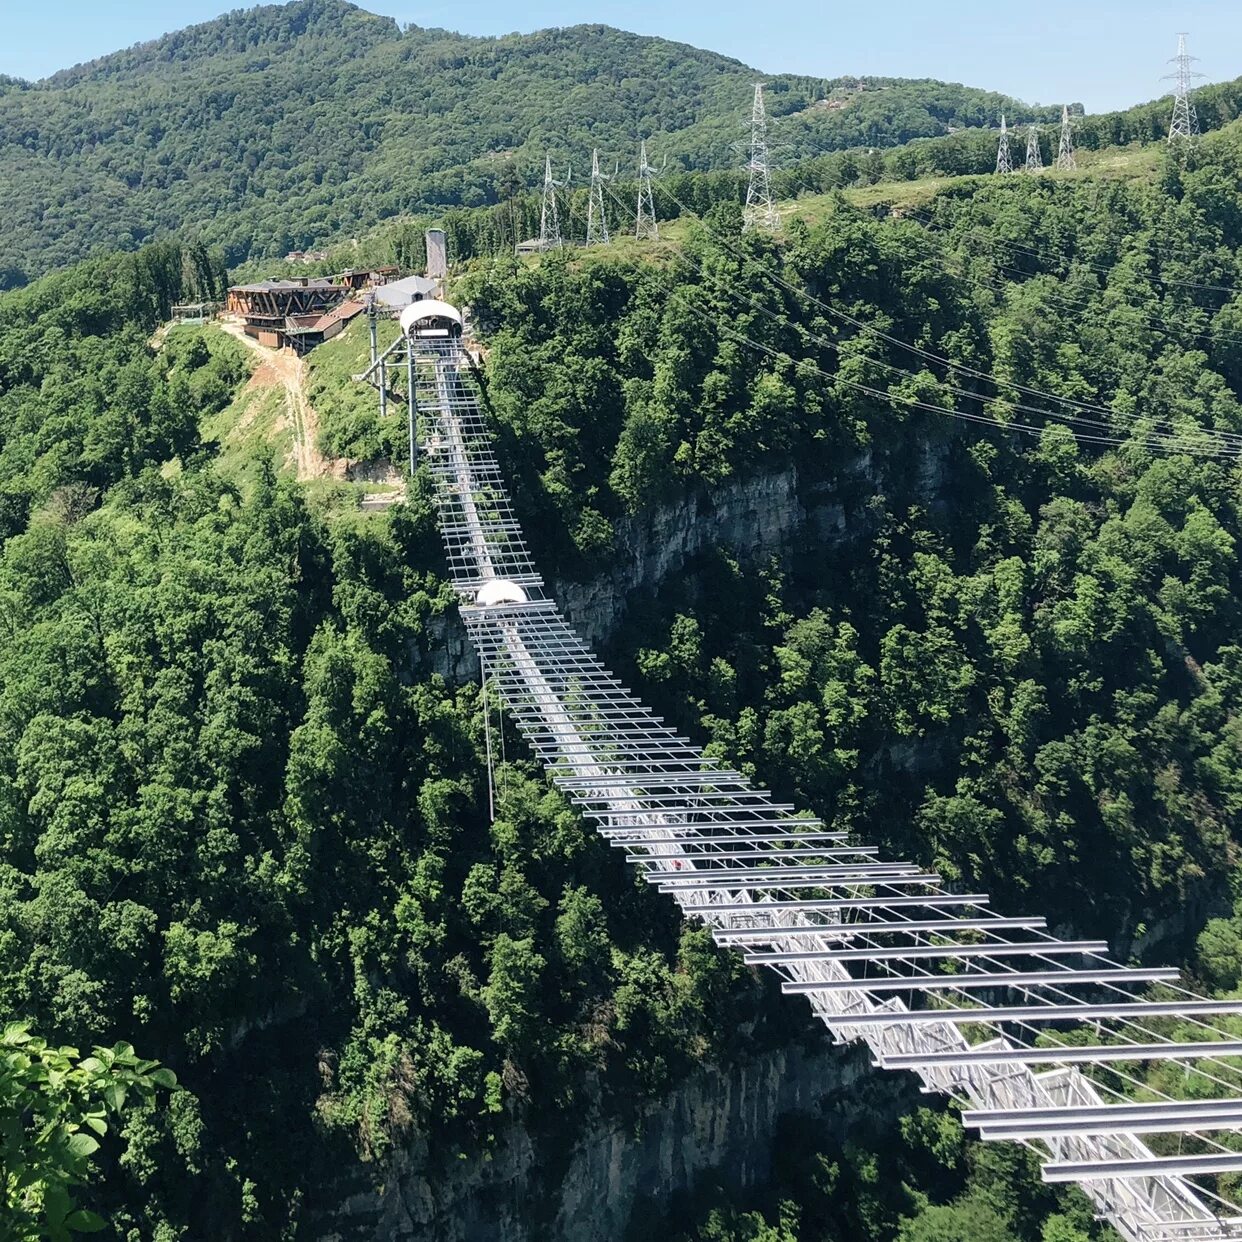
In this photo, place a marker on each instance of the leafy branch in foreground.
(54, 1109)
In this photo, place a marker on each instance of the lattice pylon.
(1034, 153)
(1066, 159)
(759, 212)
(597, 217)
(1004, 154)
(550, 216)
(1184, 126)
(647, 227)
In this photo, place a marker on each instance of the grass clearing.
(349, 420)
(253, 427)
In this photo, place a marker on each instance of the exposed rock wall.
(752, 518)
(615, 1176)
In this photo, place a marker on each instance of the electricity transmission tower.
(1185, 124)
(1034, 156)
(759, 212)
(648, 227)
(1066, 158)
(597, 217)
(550, 218)
(1004, 156)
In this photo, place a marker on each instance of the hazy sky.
(1104, 53)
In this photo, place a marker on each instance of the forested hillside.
(244, 826)
(243, 823)
(282, 126)
(1025, 670)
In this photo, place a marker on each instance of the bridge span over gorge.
(1042, 1040)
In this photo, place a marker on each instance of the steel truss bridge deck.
(1040, 1039)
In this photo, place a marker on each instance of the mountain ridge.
(269, 128)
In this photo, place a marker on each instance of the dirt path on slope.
(283, 367)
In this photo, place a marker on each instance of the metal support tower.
(1004, 155)
(1039, 1037)
(1034, 155)
(380, 365)
(550, 217)
(759, 212)
(1185, 124)
(648, 227)
(400, 353)
(411, 403)
(1066, 159)
(597, 217)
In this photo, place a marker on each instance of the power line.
(1097, 267)
(1081, 426)
(1158, 321)
(1004, 163)
(1009, 279)
(1184, 284)
(1180, 445)
(1081, 410)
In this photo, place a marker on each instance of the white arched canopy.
(421, 313)
(499, 591)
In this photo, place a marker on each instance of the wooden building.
(302, 311)
(267, 306)
(304, 332)
(365, 277)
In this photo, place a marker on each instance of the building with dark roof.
(302, 311)
(304, 332)
(268, 305)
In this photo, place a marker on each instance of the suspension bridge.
(1042, 1040)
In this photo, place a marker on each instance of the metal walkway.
(1042, 1040)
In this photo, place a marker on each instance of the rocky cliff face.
(615, 1176)
(612, 1179)
(752, 518)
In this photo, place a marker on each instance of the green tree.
(966, 1220)
(55, 1107)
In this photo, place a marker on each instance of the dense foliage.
(241, 821)
(907, 1179)
(55, 1107)
(83, 403)
(242, 809)
(277, 127)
